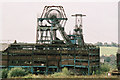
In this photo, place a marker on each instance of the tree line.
(112, 44)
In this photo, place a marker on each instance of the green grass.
(108, 51)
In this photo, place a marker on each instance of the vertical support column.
(37, 35)
(99, 59)
(88, 62)
(51, 33)
(31, 69)
(8, 59)
(88, 67)
(57, 68)
(41, 38)
(60, 59)
(46, 61)
(46, 36)
(74, 59)
(57, 62)
(32, 54)
(54, 34)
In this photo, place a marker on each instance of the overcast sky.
(19, 20)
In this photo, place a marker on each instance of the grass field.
(108, 51)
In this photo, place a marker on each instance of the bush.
(28, 76)
(104, 68)
(4, 73)
(59, 74)
(98, 72)
(28, 70)
(16, 72)
(65, 71)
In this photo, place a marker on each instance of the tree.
(65, 71)
(104, 68)
(99, 44)
(114, 44)
(106, 44)
(107, 59)
(16, 72)
(4, 73)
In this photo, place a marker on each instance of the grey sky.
(100, 24)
